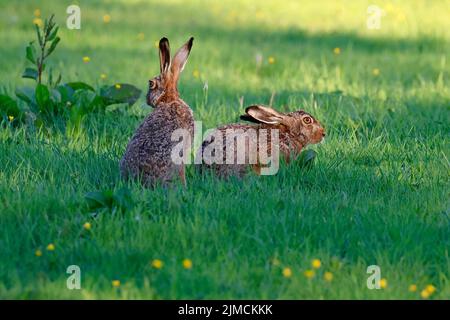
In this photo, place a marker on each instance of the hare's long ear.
(180, 58)
(248, 118)
(164, 55)
(261, 114)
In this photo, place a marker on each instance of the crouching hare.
(148, 154)
(231, 149)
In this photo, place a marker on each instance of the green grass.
(378, 192)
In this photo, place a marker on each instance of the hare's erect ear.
(164, 55)
(180, 58)
(263, 115)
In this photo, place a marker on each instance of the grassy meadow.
(377, 193)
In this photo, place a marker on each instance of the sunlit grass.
(377, 194)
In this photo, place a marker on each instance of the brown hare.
(148, 154)
(295, 130)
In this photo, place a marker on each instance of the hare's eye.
(307, 120)
(152, 84)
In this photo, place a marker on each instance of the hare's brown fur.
(293, 133)
(148, 154)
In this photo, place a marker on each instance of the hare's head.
(299, 125)
(163, 88)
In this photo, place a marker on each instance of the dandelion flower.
(38, 253)
(157, 264)
(309, 274)
(87, 226)
(187, 264)
(51, 247)
(259, 14)
(141, 36)
(430, 288)
(425, 294)
(376, 72)
(10, 118)
(328, 276)
(118, 86)
(115, 283)
(271, 60)
(389, 7)
(383, 283)
(86, 59)
(401, 17)
(196, 73)
(103, 76)
(37, 21)
(287, 272)
(412, 288)
(37, 13)
(316, 263)
(337, 51)
(106, 18)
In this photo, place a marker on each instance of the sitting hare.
(247, 144)
(148, 154)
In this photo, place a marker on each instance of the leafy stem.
(47, 35)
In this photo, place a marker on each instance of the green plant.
(37, 56)
(9, 109)
(46, 102)
(113, 201)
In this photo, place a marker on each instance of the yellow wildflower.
(328, 276)
(337, 51)
(196, 73)
(51, 247)
(259, 14)
(86, 59)
(316, 263)
(103, 76)
(389, 7)
(157, 264)
(115, 283)
(10, 118)
(271, 60)
(412, 288)
(401, 17)
(37, 13)
(118, 86)
(38, 253)
(187, 264)
(309, 274)
(106, 18)
(376, 72)
(383, 283)
(430, 288)
(37, 21)
(287, 272)
(425, 294)
(87, 226)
